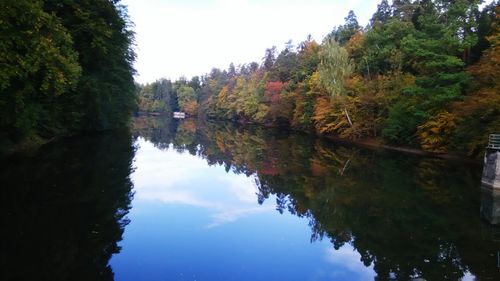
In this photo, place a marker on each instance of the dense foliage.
(422, 74)
(66, 67)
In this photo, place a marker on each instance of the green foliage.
(334, 68)
(66, 67)
(343, 33)
(105, 95)
(157, 97)
(401, 124)
(38, 66)
(382, 47)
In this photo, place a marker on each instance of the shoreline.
(376, 145)
(373, 143)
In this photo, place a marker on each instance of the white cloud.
(232, 215)
(170, 177)
(349, 259)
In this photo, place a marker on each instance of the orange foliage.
(191, 108)
(269, 169)
(324, 122)
(355, 44)
(273, 90)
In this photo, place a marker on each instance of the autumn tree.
(479, 113)
(187, 100)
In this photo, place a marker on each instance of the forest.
(421, 74)
(66, 68)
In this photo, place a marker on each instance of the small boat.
(179, 115)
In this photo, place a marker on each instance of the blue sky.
(186, 38)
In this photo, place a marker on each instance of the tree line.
(66, 68)
(422, 73)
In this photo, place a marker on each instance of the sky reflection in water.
(192, 221)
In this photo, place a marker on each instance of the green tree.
(383, 13)
(39, 66)
(343, 33)
(105, 95)
(187, 99)
(334, 68)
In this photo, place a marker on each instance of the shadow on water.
(63, 210)
(408, 216)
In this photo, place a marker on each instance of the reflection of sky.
(173, 178)
(190, 221)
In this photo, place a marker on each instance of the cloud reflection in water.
(170, 177)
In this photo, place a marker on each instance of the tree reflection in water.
(64, 209)
(409, 216)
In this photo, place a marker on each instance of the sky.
(176, 38)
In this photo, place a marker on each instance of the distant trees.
(164, 96)
(66, 67)
(407, 78)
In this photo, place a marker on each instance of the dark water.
(187, 201)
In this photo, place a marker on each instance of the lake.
(188, 200)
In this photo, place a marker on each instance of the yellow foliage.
(223, 93)
(314, 84)
(434, 135)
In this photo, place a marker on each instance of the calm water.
(188, 201)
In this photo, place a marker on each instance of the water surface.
(212, 201)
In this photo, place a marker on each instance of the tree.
(382, 15)
(105, 95)
(231, 72)
(343, 33)
(39, 65)
(381, 51)
(479, 113)
(334, 68)
(269, 58)
(285, 66)
(484, 29)
(403, 9)
(158, 97)
(187, 99)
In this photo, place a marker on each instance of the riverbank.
(379, 144)
(373, 143)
